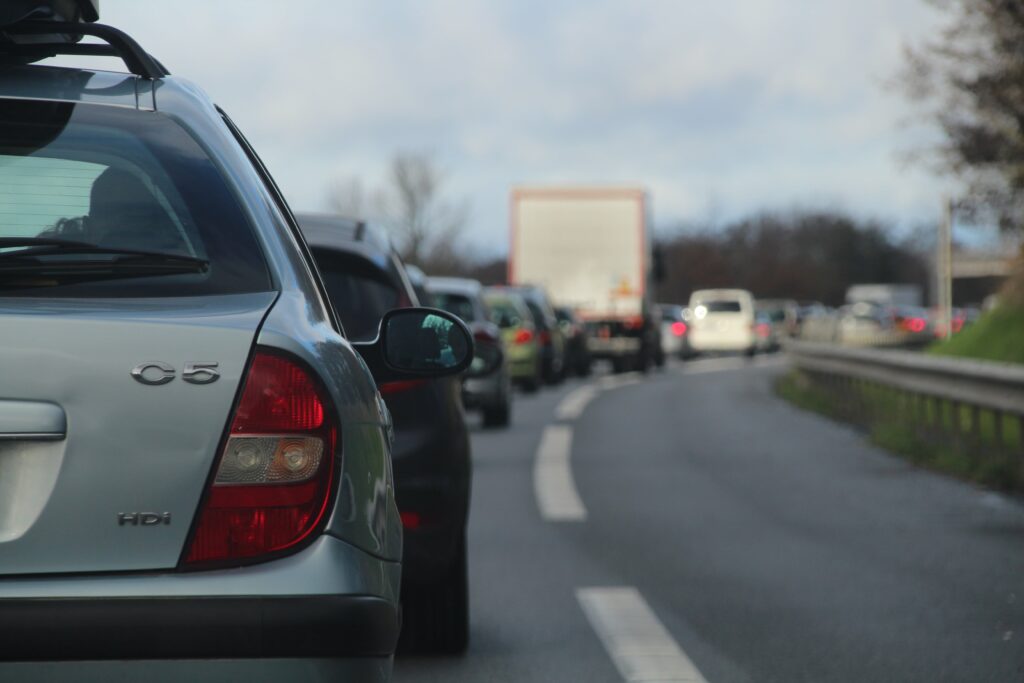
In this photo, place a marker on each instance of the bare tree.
(426, 226)
(971, 79)
(347, 197)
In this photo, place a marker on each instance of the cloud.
(735, 104)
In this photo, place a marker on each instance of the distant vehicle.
(589, 248)
(885, 294)
(510, 313)
(577, 355)
(431, 453)
(675, 331)
(549, 335)
(784, 315)
(192, 457)
(864, 324)
(723, 320)
(487, 385)
(766, 333)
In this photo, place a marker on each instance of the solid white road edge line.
(640, 646)
(553, 486)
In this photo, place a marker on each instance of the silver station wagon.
(194, 461)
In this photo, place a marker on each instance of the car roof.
(454, 285)
(339, 233)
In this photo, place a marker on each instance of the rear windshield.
(456, 304)
(504, 313)
(115, 179)
(360, 292)
(724, 306)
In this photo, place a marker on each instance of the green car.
(509, 312)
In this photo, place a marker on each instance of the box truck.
(588, 247)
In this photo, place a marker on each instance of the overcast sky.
(717, 107)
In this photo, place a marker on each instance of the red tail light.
(633, 323)
(678, 329)
(523, 337)
(410, 520)
(913, 324)
(274, 477)
(762, 330)
(400, 386)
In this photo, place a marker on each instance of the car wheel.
(435, 616)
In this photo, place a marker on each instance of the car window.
(504, 313)
(539, 319)
(360, 292)
(722, 306)
(456, 304)
(119, 180)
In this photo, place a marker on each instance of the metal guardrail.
(934, 393)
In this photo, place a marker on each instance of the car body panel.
(130, 447)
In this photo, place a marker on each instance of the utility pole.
(944, 268)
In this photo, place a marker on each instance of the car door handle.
(32, 421)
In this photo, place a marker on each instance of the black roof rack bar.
(120, 44)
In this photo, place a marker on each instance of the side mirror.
(418, 342)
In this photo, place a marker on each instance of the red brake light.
(678, 329)
(410, 520)
(275, 475)
(762, 330)
(523, 336)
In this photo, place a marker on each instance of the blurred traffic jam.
(242, 442)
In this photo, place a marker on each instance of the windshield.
(456, 304)
(360, 292)
(120, 180)
(723, 306)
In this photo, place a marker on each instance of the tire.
(435, 616)
(532, 384)
(498, 415)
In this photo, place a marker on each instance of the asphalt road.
(723, 535)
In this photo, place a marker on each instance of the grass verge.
(923, 432)
(998, 335)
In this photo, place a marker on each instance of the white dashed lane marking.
(641, 647)
(572, 405)
(553, 486)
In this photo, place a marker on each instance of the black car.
(365, 278)
(577, 356)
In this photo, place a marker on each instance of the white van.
(723, 320)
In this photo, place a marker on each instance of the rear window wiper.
(53, 256)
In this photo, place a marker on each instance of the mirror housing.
(416, 343)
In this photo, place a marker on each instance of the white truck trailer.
(588, 247)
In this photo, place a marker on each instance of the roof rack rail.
(119, 44)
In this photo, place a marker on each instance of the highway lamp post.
(944, 269)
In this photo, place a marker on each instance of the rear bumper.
(613, 347)
(329, 600)
(197, 628)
